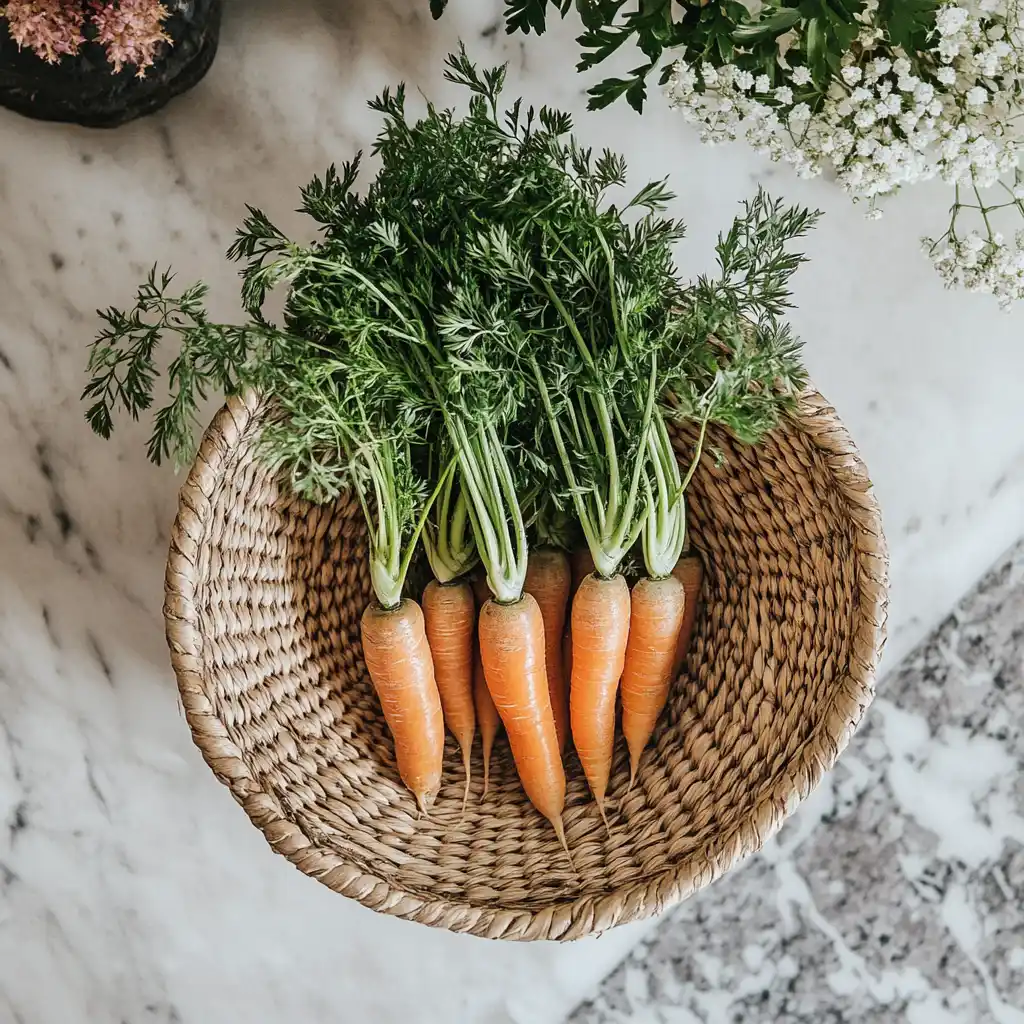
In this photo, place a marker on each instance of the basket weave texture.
(264, 594)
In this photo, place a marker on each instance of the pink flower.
(51, 28)
(131, 30)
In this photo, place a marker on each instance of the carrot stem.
(664, 532)
(447, 537)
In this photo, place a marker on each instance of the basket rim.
(583, 915)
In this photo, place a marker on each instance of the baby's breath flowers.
(131, 31)
(884, 115)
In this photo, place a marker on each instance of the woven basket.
(264, 596)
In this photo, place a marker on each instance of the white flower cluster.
(981, 264)
(892, 119)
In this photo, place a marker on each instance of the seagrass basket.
(264, 596)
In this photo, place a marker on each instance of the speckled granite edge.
(896, 893)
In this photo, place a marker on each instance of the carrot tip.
(604, 817)
(465, 791)
(424, 801)
(634, 764)
(487, 768)
(556, 824)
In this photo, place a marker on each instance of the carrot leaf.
(491, 295)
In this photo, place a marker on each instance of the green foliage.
(910, 23)
(485, 308)
(722, 32)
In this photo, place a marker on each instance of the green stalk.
(698, 450)
(448, 540)
(620, 332)
(607, 514)
(621, 536)
(389, 564)
(664, 533)
(569, 322)
(492, 504)
(490, 496)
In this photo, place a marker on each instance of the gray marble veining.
(897, 892)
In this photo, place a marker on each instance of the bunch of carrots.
(554, 683)
(491, 354)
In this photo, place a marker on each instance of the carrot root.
(486, 716)
(402, 672)
(486, 713)
(600, 628)
(582, 562)
(449, 616)
(689, 570)
(548, 580)
(559, 828)
(656, 616)
(567, 654)
(512, 652)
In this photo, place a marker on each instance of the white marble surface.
(131, 887)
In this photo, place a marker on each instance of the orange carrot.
(582, 566)
(582, 562)
(486, 716)
(690, 572)
(449, 615)
(402, 671)
(512, 651)
(567, 656)
(600, 628)
(548, 579)
(655, 618)
(486, 713)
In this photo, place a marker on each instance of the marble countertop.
(131, 887)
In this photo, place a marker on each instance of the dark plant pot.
(84, 89)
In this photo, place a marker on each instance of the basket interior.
(280, 588)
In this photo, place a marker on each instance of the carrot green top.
(483, 326)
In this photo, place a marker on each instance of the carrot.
(512, 651)
(567, 655)
(582, 562)
(655, 618)
(548, 579)
(449, 617)
(486, 713)
(402, 671)
(690, 572)
(486, 716)
(600, 629)
(582, 566)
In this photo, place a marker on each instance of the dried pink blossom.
(51, 28)
(130, 30)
